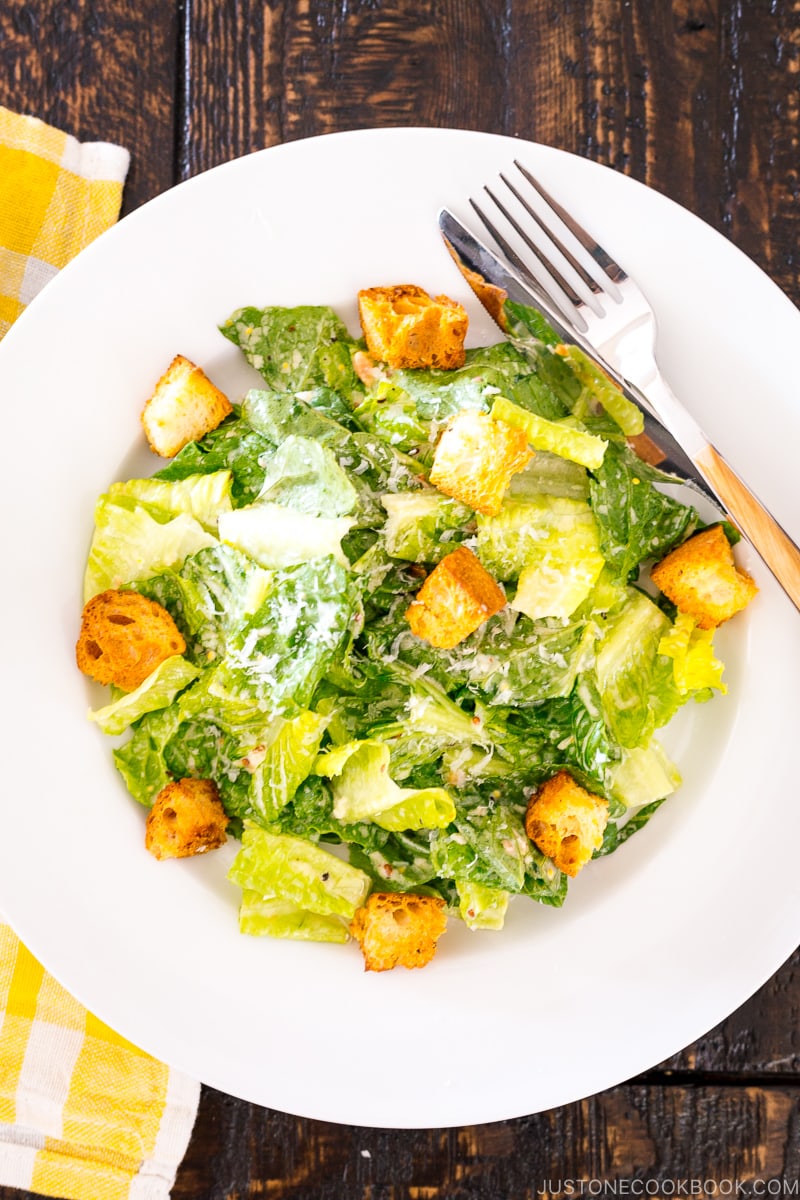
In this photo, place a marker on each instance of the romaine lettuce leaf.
(390, 413)
(695, 667)
(636, 520)
(563, 437)
(626, 668)
(203, 497)
(305, 624)
(157, 691)
(364, 790)
(266, 916)
(277, 763)
(371, 466)
(396, 861)
(209, 596)
(424, 526)
(233, 446)
(305, 476)
(643, 775)
(129, 544)
(551, 545)
(140, 761)
(486, 845)
(487, 372)
(296, 349)
(550, 475)
(257, 761)
(568, 732)
(510, 660)
(277, 536)
(290, 868)
(597, 386)
(481, 907)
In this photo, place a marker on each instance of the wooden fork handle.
(761, 529)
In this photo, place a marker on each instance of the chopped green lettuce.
(424, 526)
(636, 520)
(130, 544)
(276, 536)
(267, 916)
(695, 667)
(279, 655)
(203, 497)
(643, 775)
(562, 437)
(364, 790)
(209, 596)
(599, 387)
(293, 869)
(295, 349)
(551, 545)
(304, 475)
(233, 446)
(627, 668)
(481, 907)
(157, 691)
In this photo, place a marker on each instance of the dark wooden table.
(699, 99)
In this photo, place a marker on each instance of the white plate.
(657, 943)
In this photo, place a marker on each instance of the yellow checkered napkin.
(84, 1115)
(56, 196)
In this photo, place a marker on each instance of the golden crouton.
(566, 822)
(397, 929)
(125, 636)
(475, 458)
(405, 327)
(184, 406)
(187, 818)
(701, 579)
(455, 599)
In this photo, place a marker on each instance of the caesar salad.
(405, 621)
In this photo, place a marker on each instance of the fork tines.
(562, 267)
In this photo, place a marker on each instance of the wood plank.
(101, 70)
(266, 74)
(697, 98)
(668, 1134)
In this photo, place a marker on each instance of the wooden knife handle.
(761, 529)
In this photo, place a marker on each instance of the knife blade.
(485, 274)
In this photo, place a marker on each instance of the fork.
(612, 314)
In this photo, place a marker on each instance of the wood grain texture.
(774, 545)
(657, 1133)
(267, 73)
(700, 99)
(100, 70)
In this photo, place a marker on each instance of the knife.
(485, 274)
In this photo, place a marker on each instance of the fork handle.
(761, 529)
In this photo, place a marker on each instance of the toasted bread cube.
(397, 929)
(184, 406)
(475, 458)
(455, 599)
(187, 818)
(405, 327)
(701, 578)
(566, 822)
(125, 636)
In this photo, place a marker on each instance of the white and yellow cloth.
(84, 1115)
(56, 196)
